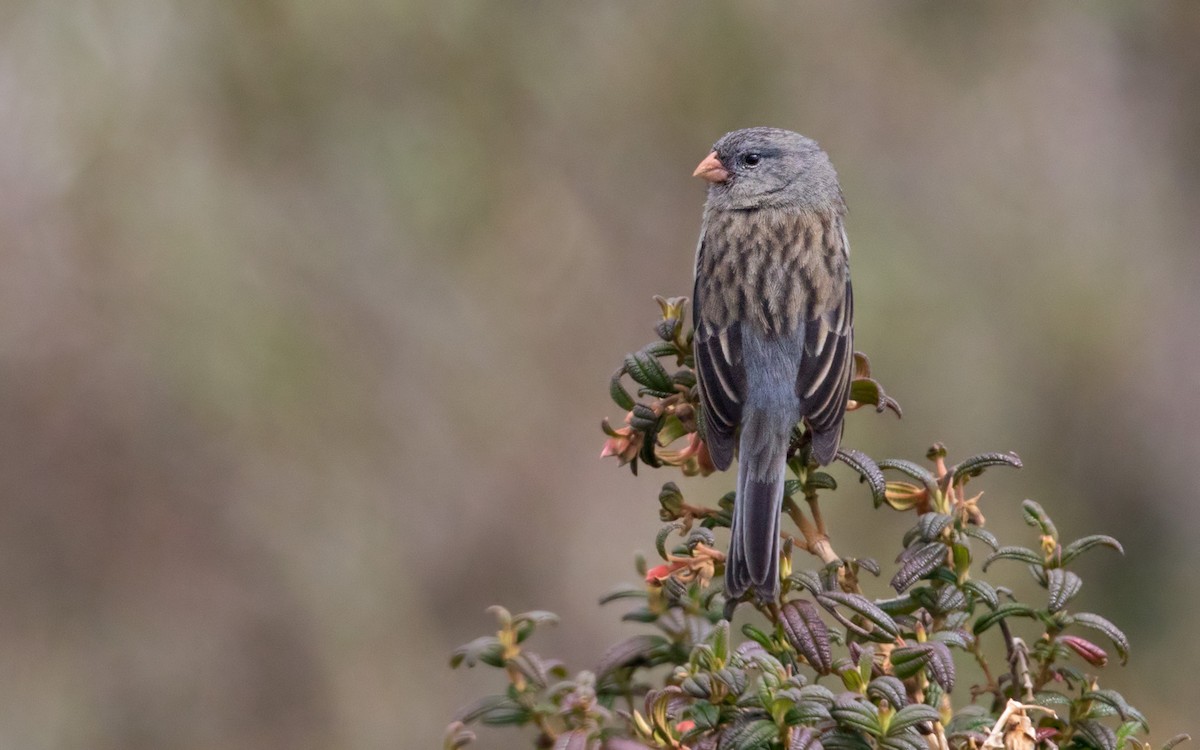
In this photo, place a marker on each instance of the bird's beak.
(712, 169)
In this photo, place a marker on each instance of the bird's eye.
(751, 160)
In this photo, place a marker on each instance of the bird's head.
(769, 168)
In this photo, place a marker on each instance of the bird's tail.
(753, 561)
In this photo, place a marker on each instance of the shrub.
(823, 666)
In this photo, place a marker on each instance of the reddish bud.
(1090, 652)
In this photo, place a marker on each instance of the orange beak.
(712, 169)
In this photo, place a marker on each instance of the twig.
(1018, 661)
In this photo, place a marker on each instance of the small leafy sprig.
(824, 666)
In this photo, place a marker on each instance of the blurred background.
(307, 313)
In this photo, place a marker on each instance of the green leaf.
(948, 599)
(660, 541)
(1118, 703)
(807, 580)
(909, 740)
(1011, 609)
(698, 685)
(1095, 734)
(1050, 699)
(641, 614)
(909, 660)
(644, 419)
(809, 712)
(1171, 743)
(635, 651)
(898, 605)
(974, 466)
(941, 665)
(868, 472)
(918, 562)
(858, 715)
(496, 710)
(910, 716)
(719, 640)
(982, 591)
(928, 529)
(865, 390)
(618, 393)
(805, 738)
(624, 592)
(1036, 516)
(706, 715)
(749, 735)
(1114, 634)
(868, 564)
(645, 368)
(732, 678)
(486, 649)
(863, 607)
(1079, 546)
(819, 694)
(1063, 586)
(819, 480)
(842, 739)
(961, 554)
(970, 719)
(807, 633)
(526, 622)
(959, 638)
(982, 535)
(890, 689)
(1022, 554)
(915, 471)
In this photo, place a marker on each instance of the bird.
(773, 313)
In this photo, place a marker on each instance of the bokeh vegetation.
(307, 308)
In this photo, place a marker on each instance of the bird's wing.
(717, 352)
(823, 381)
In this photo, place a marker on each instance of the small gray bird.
(774, 322)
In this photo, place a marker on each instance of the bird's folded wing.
(823, 381)
(718, 356)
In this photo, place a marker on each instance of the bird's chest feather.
(770, 270)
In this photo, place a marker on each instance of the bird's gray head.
(770, 168)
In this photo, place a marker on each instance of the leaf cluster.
(825, 665)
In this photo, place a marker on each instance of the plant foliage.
(824, 667)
